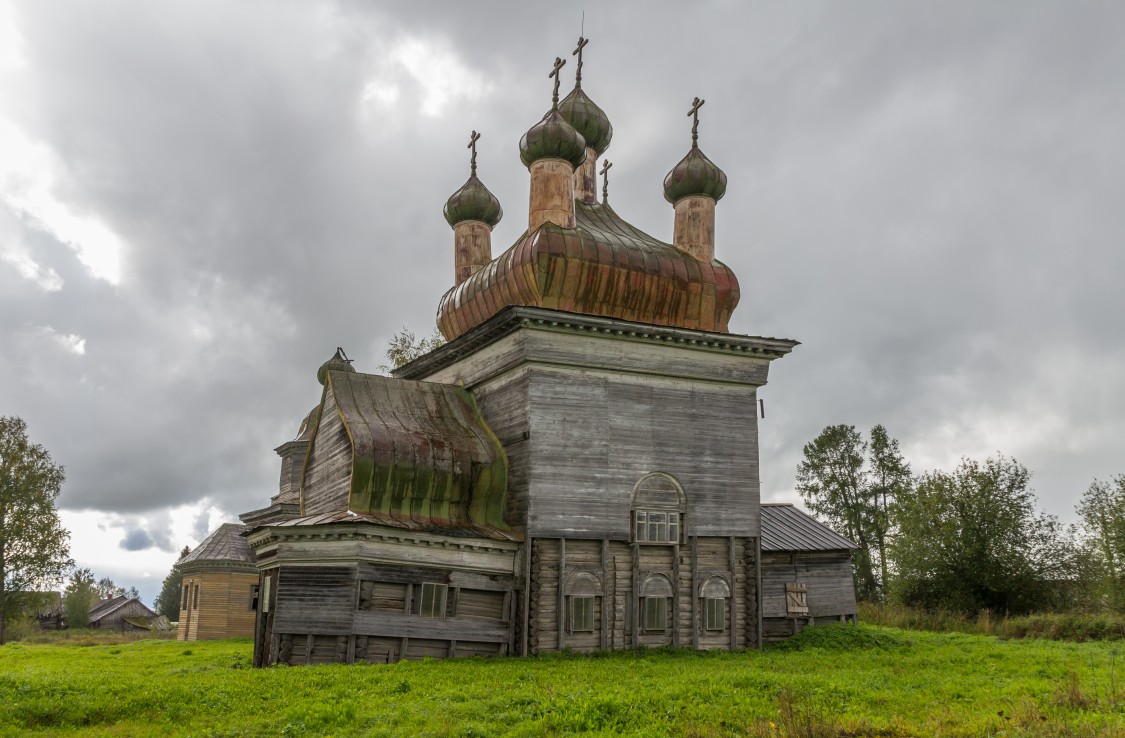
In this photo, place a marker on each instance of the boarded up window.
(480, 604)
(656, 613)
(581, 614)
(381, 596)
(796, 599)
(432, 602)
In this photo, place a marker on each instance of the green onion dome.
(695, 175)
(338, 363)
(552, 138)
(588, 119)
(473, 202)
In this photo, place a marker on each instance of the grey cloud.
(136, 539)
(925, 195)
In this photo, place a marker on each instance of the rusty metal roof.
(604, 266)
(225, 544)
(421, 452)
(785, 528)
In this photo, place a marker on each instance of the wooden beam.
(732, 559)
(560, 613)
(607, 603)
(695, 594)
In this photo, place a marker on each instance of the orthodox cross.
(605, 179)
(559, 64)
(473, 145)
(696, 104)
(578, 73)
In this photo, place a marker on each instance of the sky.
(200, 201)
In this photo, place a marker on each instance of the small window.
(185, 599)
(253, 596)
(432, 602)
(715, 613)
(195, 606)
(581, 614)
(656, 613)
(654, 526)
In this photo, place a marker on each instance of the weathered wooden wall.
(327, 476)
(116, 619)
(620, 568)
(831, 591)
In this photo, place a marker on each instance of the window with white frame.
(431, 602)
(581, 613)
(714, 594)
(656, 597)
(658, 509)
(583, 588)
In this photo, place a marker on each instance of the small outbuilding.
(115, 613)
(220, 587)
(806, 573)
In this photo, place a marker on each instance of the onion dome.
(552, 138)
(588, 119)
(338, 363)
(473, 202)
(695, 175)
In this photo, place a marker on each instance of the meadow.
(838, 680)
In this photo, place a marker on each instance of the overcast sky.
(200, 201)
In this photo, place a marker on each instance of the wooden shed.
(806, 573)
(220, 586)
(114, 613)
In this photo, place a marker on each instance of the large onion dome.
(695, 175)
(552, 138)
(338, 363)
(473, 202)
(588, 119)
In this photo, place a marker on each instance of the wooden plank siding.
(223, 608)
(328, 469)
(828, 578)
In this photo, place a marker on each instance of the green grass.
(1063, 626)
(837, 680)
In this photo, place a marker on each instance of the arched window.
(714, 594)
(658, 509)
(657, 596)
(583, 592)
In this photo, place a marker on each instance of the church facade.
(576, 468)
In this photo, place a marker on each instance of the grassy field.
(838, 680)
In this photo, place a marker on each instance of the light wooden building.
(577, 468)
(220, 585)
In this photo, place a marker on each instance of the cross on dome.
(696, 104)
(473, 145)
(559, 64)
(605, 179)
(578, 73)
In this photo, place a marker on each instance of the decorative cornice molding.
(271, 535)
(515, 317)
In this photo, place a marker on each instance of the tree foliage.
(1102, 547)
(974, 539)
(853, 485)
(404, 347)
(34, 547)
(80, 595)
(168, 601)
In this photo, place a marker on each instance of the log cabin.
(575, 468)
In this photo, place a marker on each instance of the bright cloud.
(441, 75)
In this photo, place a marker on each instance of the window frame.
(650, 607)
(665, 529)
(195, 603)
(577, 623)
(434, 611)
(715, 606)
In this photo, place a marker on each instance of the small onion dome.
(473, 202)
(336, 364)
(695, 175)
(588, 119)
(552, 138)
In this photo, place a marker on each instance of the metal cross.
(578, 73)
(605, 180)
(696, 104)
(559, 64)
(473, 145)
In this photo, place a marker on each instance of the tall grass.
(1079, 627)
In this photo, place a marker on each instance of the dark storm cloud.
(925, 195)
(136, 539)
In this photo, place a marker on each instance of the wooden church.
(576, 468)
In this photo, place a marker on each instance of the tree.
(34, 547)
(168, 601)
(853, 484)
(404, 347)
(1102, 511)
(974, 539)
(107, 588)
(80, 595)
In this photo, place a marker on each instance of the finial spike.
(559, 64)
(578, 72)
(696, 104)
(606, 164)
(473, 145)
